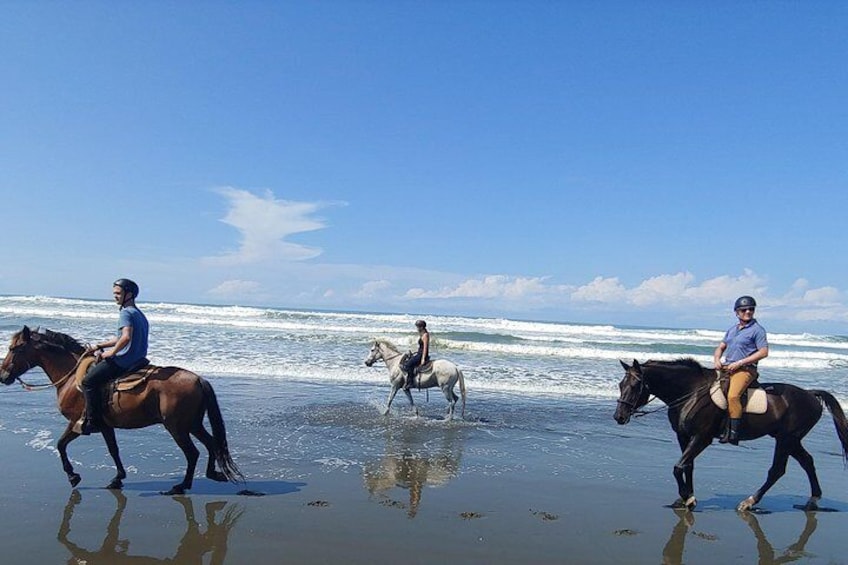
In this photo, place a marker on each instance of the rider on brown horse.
(127, 350)
(745, 343)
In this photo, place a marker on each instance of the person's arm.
(719, 351)
(426, 340)
(754, 357)
(120, 342)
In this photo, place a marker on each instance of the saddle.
(421, 369)
(754, 399)
(132, 378)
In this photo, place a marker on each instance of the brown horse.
(684, 386)
(173, 397)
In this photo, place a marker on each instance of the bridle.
(383, 355)
(634, 408)
(33, 387)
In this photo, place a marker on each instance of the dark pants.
(103, 372)
(412, 362)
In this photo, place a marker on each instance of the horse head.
(374, 354)
(634, 392)
(17, 360)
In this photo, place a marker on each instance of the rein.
(676, 404)
(35, 387)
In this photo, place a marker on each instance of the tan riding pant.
(739, 381)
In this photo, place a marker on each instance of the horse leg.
(782, 448)
(209, 442)
(191, 453)
(112, 446)
(411, 402)
(448, 392)
(803, 457)
(67, 437)
(684, 470)
(392, 394)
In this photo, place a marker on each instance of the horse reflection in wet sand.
(684, 386)
(674, 548)
(192, 548)
(410, 471)
(442, 374)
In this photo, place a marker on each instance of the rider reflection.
(412, 467)
(673, 550)
(192, 547)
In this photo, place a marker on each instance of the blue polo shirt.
(744, 341)
(136, 350)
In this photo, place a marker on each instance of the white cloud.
(606, 290)
(264, 223)
(371, 289)
(492, 286)
(235, 289)
(670, 290)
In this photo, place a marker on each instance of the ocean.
(298, 398)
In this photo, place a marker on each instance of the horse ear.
(637, 366)
(623, 364)
(25, 333)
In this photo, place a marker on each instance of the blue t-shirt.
(136, 350)
(744, 341)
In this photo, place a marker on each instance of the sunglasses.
(743, 310)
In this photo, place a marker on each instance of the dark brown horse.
(684, 387)
(173, 397)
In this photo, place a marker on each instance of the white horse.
(441, 373)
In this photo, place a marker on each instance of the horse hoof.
(691, 503)
(178, 489)
(116, 484)
(74, 479)
(217, 476)
(812, 504)
(746, 504)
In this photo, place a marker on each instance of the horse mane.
(683, 363)
(387, 343)
(56, 339)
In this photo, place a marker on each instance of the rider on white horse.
(420, 357)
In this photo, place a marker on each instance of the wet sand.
(422, 492)
(336, 517)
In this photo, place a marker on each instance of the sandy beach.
(577, 490)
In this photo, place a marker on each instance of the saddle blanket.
(757, 400)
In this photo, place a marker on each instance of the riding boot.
(407, 384)
(731, 434)
(91, 418)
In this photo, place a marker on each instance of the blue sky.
(604, 162)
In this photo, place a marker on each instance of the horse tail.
(219, 433)
(462, 390)
(839, 419)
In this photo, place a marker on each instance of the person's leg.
(410, 370)
(93, 381)
(739, 381)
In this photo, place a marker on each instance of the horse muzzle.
(369, 362)
(6, 377)
(622, 413)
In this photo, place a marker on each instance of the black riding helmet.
(744, 302)
(128, 286)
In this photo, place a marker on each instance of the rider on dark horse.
(744, 345)
(128, 349)
(421, 356)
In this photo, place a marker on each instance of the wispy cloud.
(264, 222)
